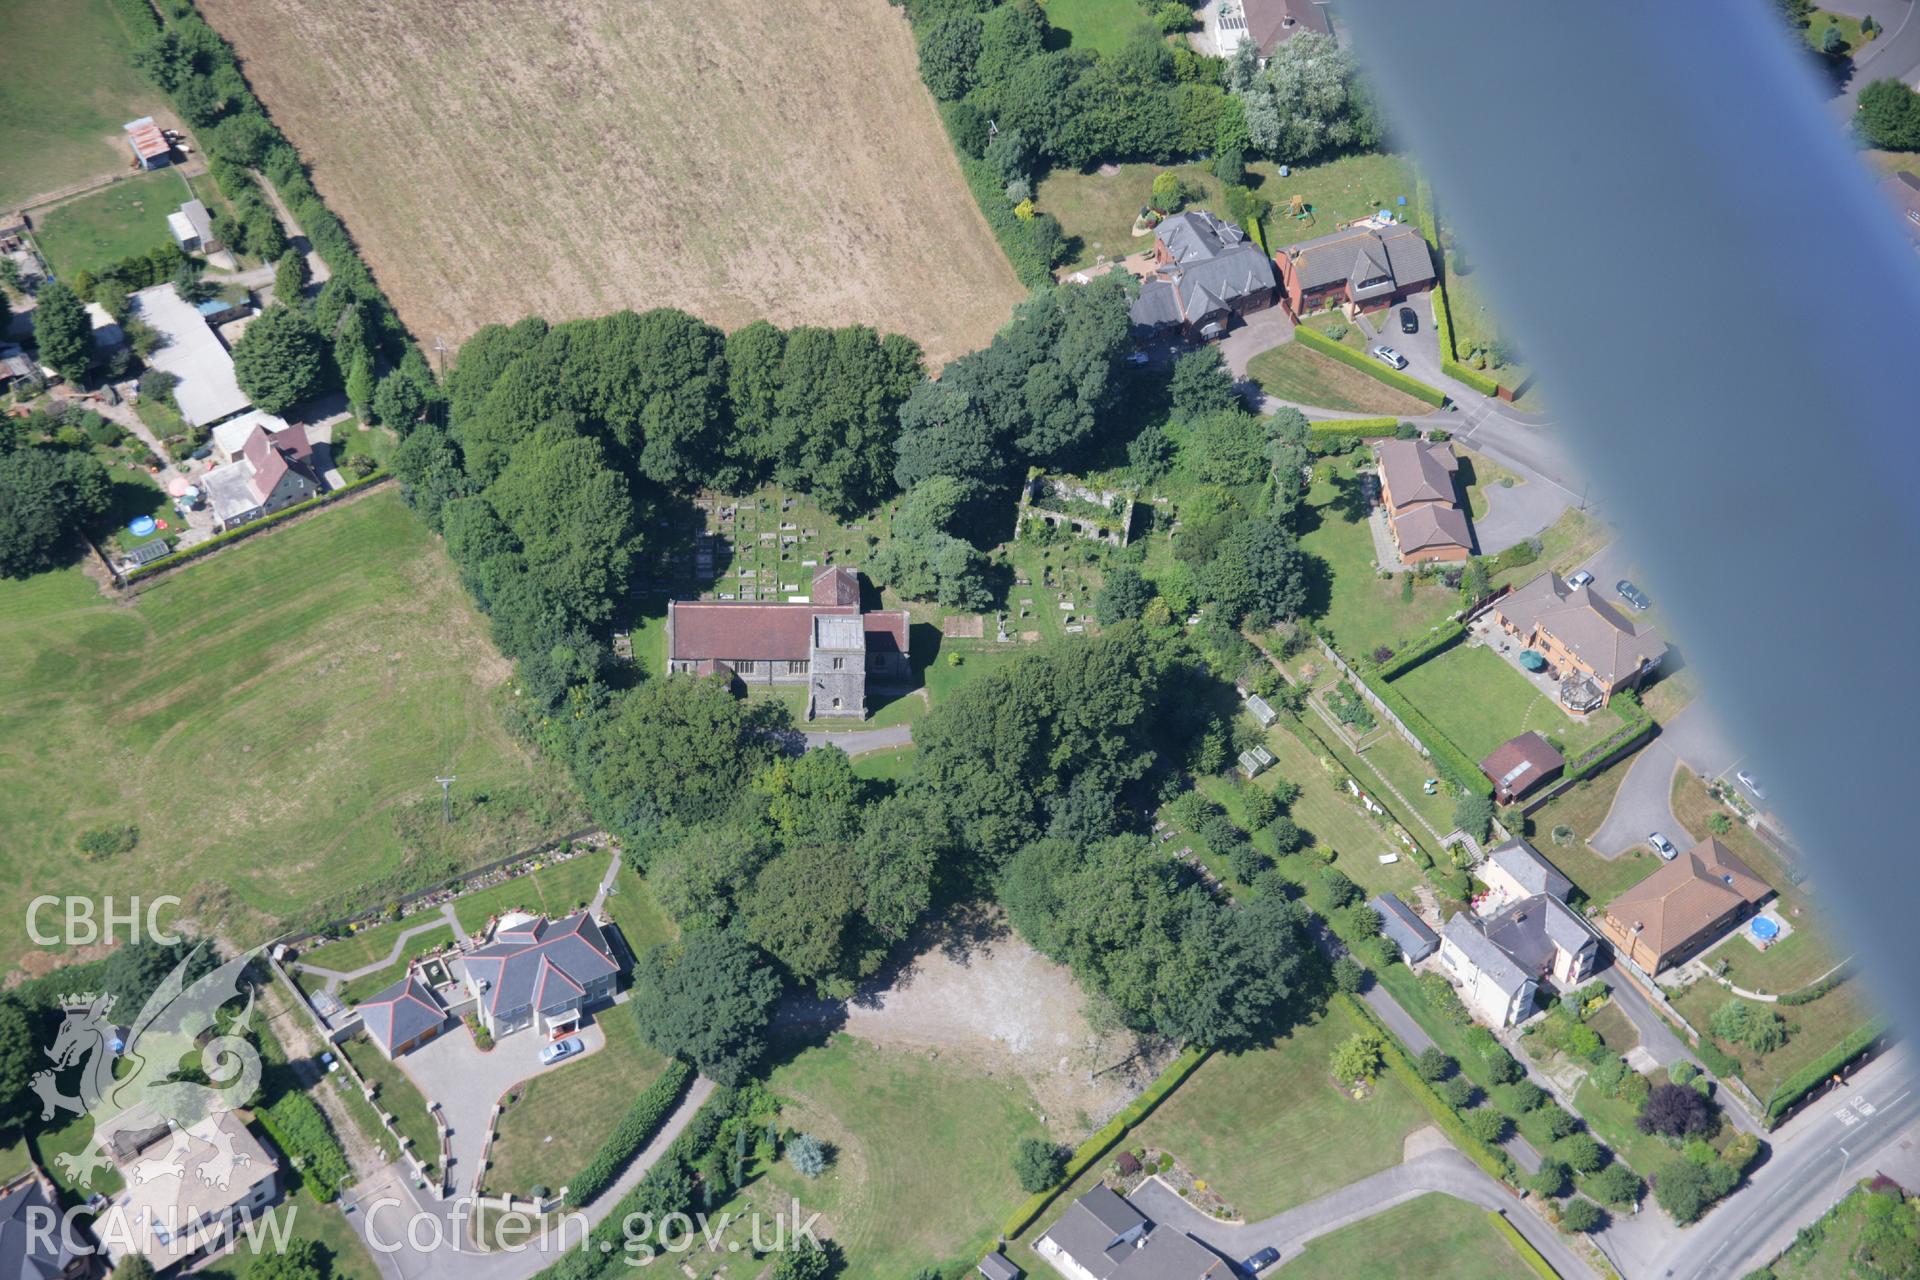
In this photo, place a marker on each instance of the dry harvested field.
(571, 157)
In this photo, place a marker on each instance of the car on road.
(1751, 783)
(1388, 356)
(1663, 846)
(1632, 594)
(560, 1051)
(1261, 1261)
(1581, 579)
(1409, 322)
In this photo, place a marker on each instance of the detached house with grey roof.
(1103, 1237)
(403, 1017)
(1367, 266)
(1205, 272)
(540, 973)
(1520, 935)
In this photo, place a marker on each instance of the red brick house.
(1370, 267)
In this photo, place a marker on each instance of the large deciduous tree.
(46, 498)
(706, 999)
(282, 360)
(62, 332)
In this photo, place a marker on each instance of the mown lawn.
(1348, 599)
(1613, 1122)
(1100, 25)
(69, 86)
(346, 1258)
(1565, 544)
(100, 228)
(1295, 373)
(555, 890)
(1269, 1128)
(1476, 699)
(638, 914)
(923, 1153)
(895, 764)
(374, 983)
(1434, 1237)
(1582, 810)
(297, 692)
(1097, 212)
(561, 1116)
(364, 946)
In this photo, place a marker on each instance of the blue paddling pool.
(1764, 929)
(141, 526)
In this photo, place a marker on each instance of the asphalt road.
(1816, 1158)
(1643, 803)
(1894, 56)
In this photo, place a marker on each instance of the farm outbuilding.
(148, 142)
(192, 228)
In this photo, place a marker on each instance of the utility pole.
(440, 349)
(446, 799)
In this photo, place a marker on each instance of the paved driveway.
(466, 1083)
(1643, 803)
(1261, 331)
(1444, 1170)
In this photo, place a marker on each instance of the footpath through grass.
(297, 692)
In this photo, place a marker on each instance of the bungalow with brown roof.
(825, 643)
(1683, 907)
(1369, 267)
(1423, 508)
(1596, 649)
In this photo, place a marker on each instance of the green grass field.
(1435, 1237)
(923, 1164)
(1269, 1129)
(1476, 699)
(67, 84)
(296, 693)
(541, 1141)
(1294, 373)
(100, 228)
(1097, 212)
(1812, 1029)
(1101, 25)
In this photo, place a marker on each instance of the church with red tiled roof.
(825, 643)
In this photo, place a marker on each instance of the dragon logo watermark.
(170, 1074)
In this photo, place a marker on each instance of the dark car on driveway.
(1632, 594)
(1409, 322)
(1260, 1261)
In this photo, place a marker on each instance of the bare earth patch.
(568, 158)
(1002, 1006)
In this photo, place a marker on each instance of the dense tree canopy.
(62, 331)
(281, 360)
(707, 999)
(47, 497)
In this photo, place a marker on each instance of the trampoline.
(1764, 929)
(141, 526)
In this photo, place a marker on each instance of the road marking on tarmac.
(1846, 1117)
(1861, 1104)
